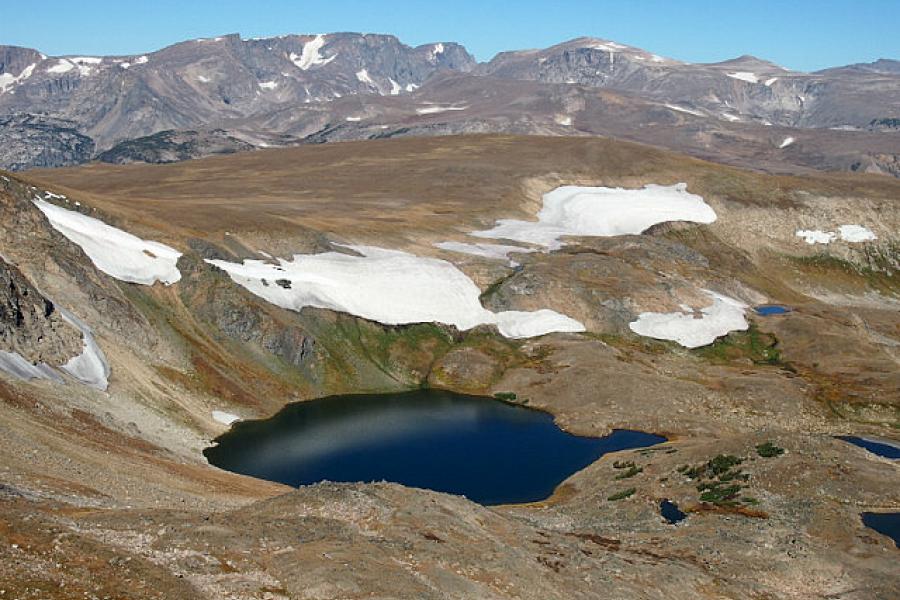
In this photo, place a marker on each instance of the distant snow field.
(744, 76)
(685, 110)
(603, 212)
(311, 56)
(691, 328)
(786, 142)
(852, 234)
(387, 286)
(433, 110)
(90, 367)
(115, 252)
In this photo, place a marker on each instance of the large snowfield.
(603, 212)
(691, 328)
(387, 286)
(115, 252)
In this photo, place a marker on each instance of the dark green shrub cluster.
(769, 450)
(622, 495)
(505, 396)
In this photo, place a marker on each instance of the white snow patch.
(363, 77)
(225, 418)
(268, 85)
(564, 120)
(786, 142)
(388, 286)
(856, 233)
(685, 110)
(693, 329)
(603, 212)
(7, 80)
(353, 119)
(814, 236)
(14, 365)
(436, 50)
(432, 110)
(90, 367)
(310, 56)
(492, 251)
(395, 87)
(411, 87)
(63, 66)
(768, 82)
(730, 118)
(115, 252)
(203, 79)
(744, 76)
(141, 60)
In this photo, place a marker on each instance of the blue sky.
(800, 34)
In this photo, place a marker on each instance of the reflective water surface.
(489, 451)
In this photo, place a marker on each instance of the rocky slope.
(312, 89)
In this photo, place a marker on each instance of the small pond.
(671, 513)
(881, 448)
(767, 310)
(884, 523)
(487, 450)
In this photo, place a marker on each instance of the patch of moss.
(505, 396)
(622, 495)
(753, 344)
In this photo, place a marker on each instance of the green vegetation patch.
(753, 344)
(506, 396)
(769, 450)
(622, 495)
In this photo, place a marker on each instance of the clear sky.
(800, 34)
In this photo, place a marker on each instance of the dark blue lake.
(885, 449)
(671, 513)
(885, 523)
(767, 310)
(489, 451)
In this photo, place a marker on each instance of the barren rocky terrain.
(106, 493)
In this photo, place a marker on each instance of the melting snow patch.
(90, 367)
(387, 286)
(115, 252)
(63, 66)
(225, 418)
(395, 88)
(685, 110)
(603, 212)
(353, 119)
(814, 236)
(786, 142)
(202, 79)
(697, 328)
(15, 366)
(730, 118)
(436, 50)
(856, 233)
(564, 120)
(432, 110)
(310, 56)
(8, 80)
(768, 82)
(744, 76)
(268, 85)
(363, 77)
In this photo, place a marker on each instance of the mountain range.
(228, 94)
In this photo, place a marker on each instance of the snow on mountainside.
(226, 94)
